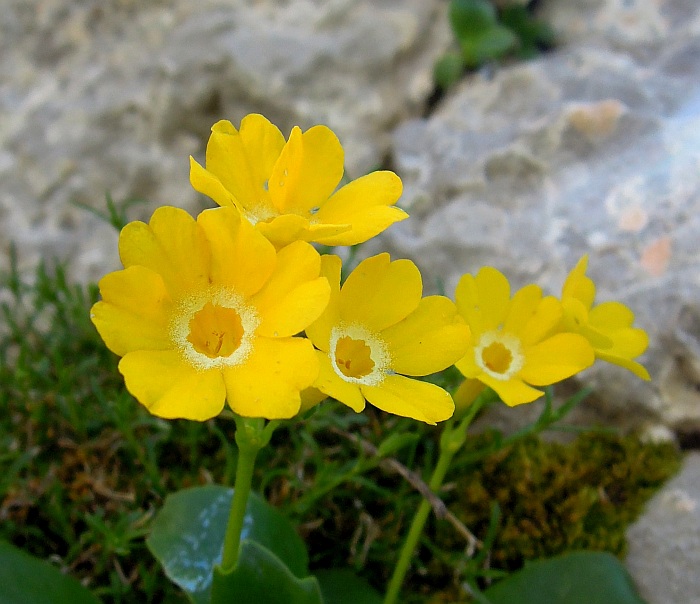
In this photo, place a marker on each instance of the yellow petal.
(320, 330)
(611, 315)
(170, 388)
(467, 364)
(365, 225)
(430, 339)
(263, 143)
(629, 342)
(382, 188)
(310, 397)
(627, 363)
(241, 257)
(172, 245)
(228, 161)
(522, 308)
(578, 286)
(407, 397)
(288, 228)
(512, 392)
(294, 295)
(379, 293)
(484, 299)
(206, 183)
(556, 358)
(307, 171)
(285, 229)
(543, 322)
(331, 384)
(268, 383)
(466, 394)
(134, 311)
(364, 204)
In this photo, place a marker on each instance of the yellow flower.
(377, 330)
(287, 189)
(607, 326)
(205, 312)
(512, 347)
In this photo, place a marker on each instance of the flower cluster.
(237, 306)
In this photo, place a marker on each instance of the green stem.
(250, 439)
(414, 533)
(451, 440)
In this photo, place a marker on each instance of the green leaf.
(533, 35)
(491, 44)
(25, 579)
(574, 578)
(471, 18)
(448, 70)
(188, 536)
(341, 586)
(260, 576)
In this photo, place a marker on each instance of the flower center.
(214, 328)
(215, 331)
(358, 355)
(353, 357)
(499, 355)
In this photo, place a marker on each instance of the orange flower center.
(215, 331)
(497, 357)
(358, 355)
(353, 357)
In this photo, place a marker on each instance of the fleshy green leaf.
(341, 586)
(491, 44)
(574, 578)
(188, 536)
(260, 576)
(25, 579)
(471, 18)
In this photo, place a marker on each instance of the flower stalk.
(452, 439)
(251, 436)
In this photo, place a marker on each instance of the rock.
(590, 149)
(114, 96)
(664, 543)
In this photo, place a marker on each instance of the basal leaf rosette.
(607, 326)
(205, 312)
(378, 333)
(287, 189)
(514, 344)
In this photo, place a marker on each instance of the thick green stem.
(249, 438)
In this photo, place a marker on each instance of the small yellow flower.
(205, 312)
(607, 326)
(512, 347)
(377, 330)
(286, 189)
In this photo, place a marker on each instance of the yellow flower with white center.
(205, 312)
(512, 347)
(377, 330)
(607, 326)
(288, 189)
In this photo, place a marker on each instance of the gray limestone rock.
(590, 149)
(113, 96)
(664, 544)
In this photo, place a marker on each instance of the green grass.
(84, 468)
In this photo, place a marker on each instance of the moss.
(555, 498)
